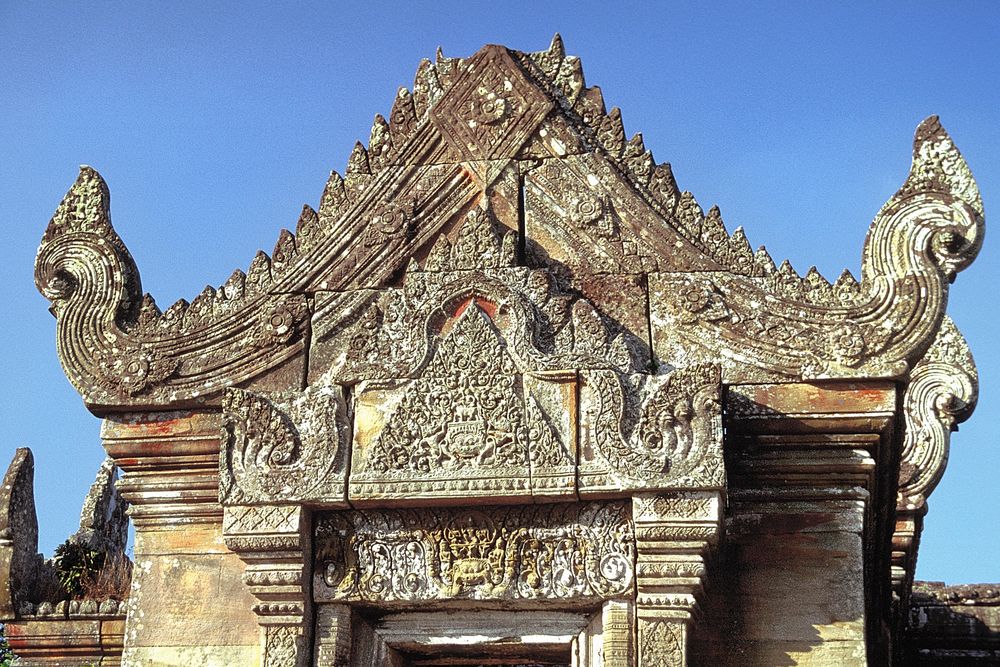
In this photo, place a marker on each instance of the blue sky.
(213, 125)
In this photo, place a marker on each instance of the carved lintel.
(559, 551)
(274, 543)
(19, 558)
(675, 533)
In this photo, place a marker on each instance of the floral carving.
(554, 551)
(847, 343)
(697, 300)
(660, 644)
(136, 369)
(664, 433)
(278, 326)
(281, 646)
(389, 222)
(488, 107)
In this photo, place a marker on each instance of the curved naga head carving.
(937, 214)
(768, 324)
(942, 391)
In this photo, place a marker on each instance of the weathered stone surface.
(510, 375)
(553, 552)
(103, 519)
(279, 449)
(950, 625)
(70, 642)
(19, 558)
(169, 614)
(664, 433)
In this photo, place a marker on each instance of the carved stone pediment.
(474, 378)
(506, 302)
(521, 135)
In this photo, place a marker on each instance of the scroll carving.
(560, 551)
(941, 393)
(281, 449)
(469, 378)
(667, 431)
(595, 203)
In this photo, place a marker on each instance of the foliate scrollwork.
(560, 551)
(942, 391)
(281, 646)
(279, 449)
(651, 432)
(661, 643)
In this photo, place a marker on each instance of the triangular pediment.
(521, 139)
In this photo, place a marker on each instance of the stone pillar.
(333, 636)
(274, 542)
(609, 638)
(804, 574)
(674, 533)
(183, 568)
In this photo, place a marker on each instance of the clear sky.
(213, 125)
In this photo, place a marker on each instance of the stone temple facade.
(511, 397)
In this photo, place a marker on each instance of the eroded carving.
(283, 448)
(19, 558)
(595, 202)
(651, 431)
(556, 551)
(942, 392)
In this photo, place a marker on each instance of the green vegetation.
(7, 658)
(76, 565)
